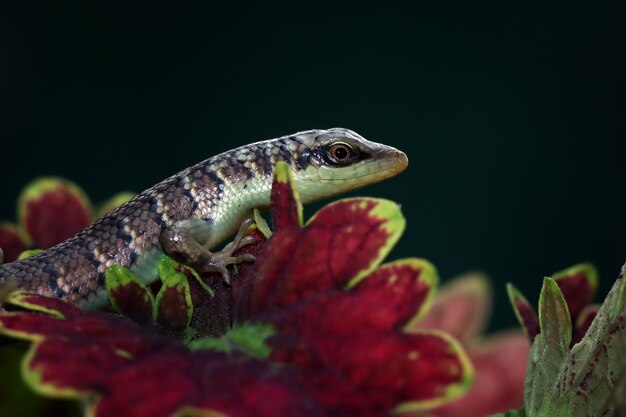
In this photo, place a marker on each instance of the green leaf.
(169, 267)
(128, 295)
(597, 363)
(114, 202)
(174, 306)
(28, 253)
(549, 350)
(584, 381)
(248, 338)
(261, 224)
(555, 322)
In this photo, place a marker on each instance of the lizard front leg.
(186, 240)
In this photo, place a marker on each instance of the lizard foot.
(218, 261)
(183, 241)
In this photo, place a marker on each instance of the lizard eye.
(340, 153)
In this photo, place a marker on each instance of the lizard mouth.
(392, 161)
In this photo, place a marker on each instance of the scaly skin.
(218, 193)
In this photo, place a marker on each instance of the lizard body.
(199, 208)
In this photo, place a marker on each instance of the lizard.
(190, 213)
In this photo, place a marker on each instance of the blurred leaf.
(578, 285)
(461, 307)
(114, 202)
(583, 322)
(524, 312)
(13, 241)
(53, 209)
(29, 253)
(16, 398)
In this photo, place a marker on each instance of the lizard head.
(337, 160)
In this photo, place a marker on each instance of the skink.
(196, 209)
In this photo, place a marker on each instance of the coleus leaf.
(550, 347)
(341, 244)
(346, 325)
(16, 399)
(583, 322)
(580, 381)
(28, 253)
(461, 307)
(285, 195)
(500, 362)
(53, 209)
(13, 241)
(174, 306)
(129, 296)
(248, 337)
(114, 202)
(578, 284)
(339, 339)
(76, 352)
(524, 312)
(353, 344)
(554, 318)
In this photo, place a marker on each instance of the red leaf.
(524, 311)
(356, 340)
(129, 296)
(53, 209)
(385, 370)
(500, 363)
(386, 300)
(12, 242)
(578, 285)
(342, 243)
(583, 322)
(343, 332)
(139, 374)
(286, 206)
(461, 307)
(213, 314)
(174, 308)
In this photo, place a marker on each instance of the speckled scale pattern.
(221, 189)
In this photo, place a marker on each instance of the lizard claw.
(181, 241)
(218, 261)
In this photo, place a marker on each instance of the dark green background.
(512, 114)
